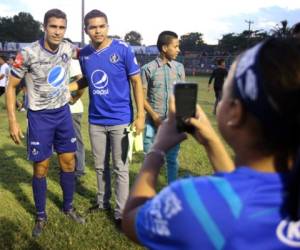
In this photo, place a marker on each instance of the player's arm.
(154, 116)
(145, 72)
(78, 84)
(139, 101)
(14, 127)
(210, 79)
(79, 93)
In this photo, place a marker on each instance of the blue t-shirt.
(238, 210)
(107, 72)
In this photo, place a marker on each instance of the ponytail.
(294, 184)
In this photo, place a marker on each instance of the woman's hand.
(167, 135)
(204, 132)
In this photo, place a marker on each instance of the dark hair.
(296, 29)
(165, 38)
(54, 13)
(279, 65)
(68, 40)
(93, 14)
(220, 61)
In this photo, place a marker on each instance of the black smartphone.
(185, 102)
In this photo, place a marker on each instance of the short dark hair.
(92, 14)
(165, 38)
(220, 61)
(54, 13)
(296, 29)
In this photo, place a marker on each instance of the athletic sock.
(67, 183)
(39, 188)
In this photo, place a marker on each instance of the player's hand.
(71, 101)
(139, 124)
(15, 132)
(204, 132)
(156, 120)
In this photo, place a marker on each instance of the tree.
(235, 43)
(133, 38)
(191, 42)
(20, 28)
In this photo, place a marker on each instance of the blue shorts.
(47, 130)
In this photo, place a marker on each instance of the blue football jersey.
(238, 210)
(107, 72)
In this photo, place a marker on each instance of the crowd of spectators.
(195, 63)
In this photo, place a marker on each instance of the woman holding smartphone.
(250, 203)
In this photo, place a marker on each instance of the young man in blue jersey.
(109, 66)
(45, 64)
(251, 204)
(159, 77)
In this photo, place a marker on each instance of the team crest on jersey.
(64, 57)
(18, 61)
(56, 76)
(114, 58)
(288, 232)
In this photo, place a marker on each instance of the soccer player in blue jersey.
(45, 65)
(254, 205)
(109, 66)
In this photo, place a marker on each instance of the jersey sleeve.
(182, 73)
(21, 64)
(190, 214)
(156, 220)
(145, 76)
(131, 63)
(81, 61)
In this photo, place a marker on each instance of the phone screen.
(185, 101)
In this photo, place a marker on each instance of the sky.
(210, 17)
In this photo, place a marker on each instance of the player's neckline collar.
(102, 49)
(42, 44)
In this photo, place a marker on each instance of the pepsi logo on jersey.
(56, 76)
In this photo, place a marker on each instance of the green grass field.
(16, 201)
